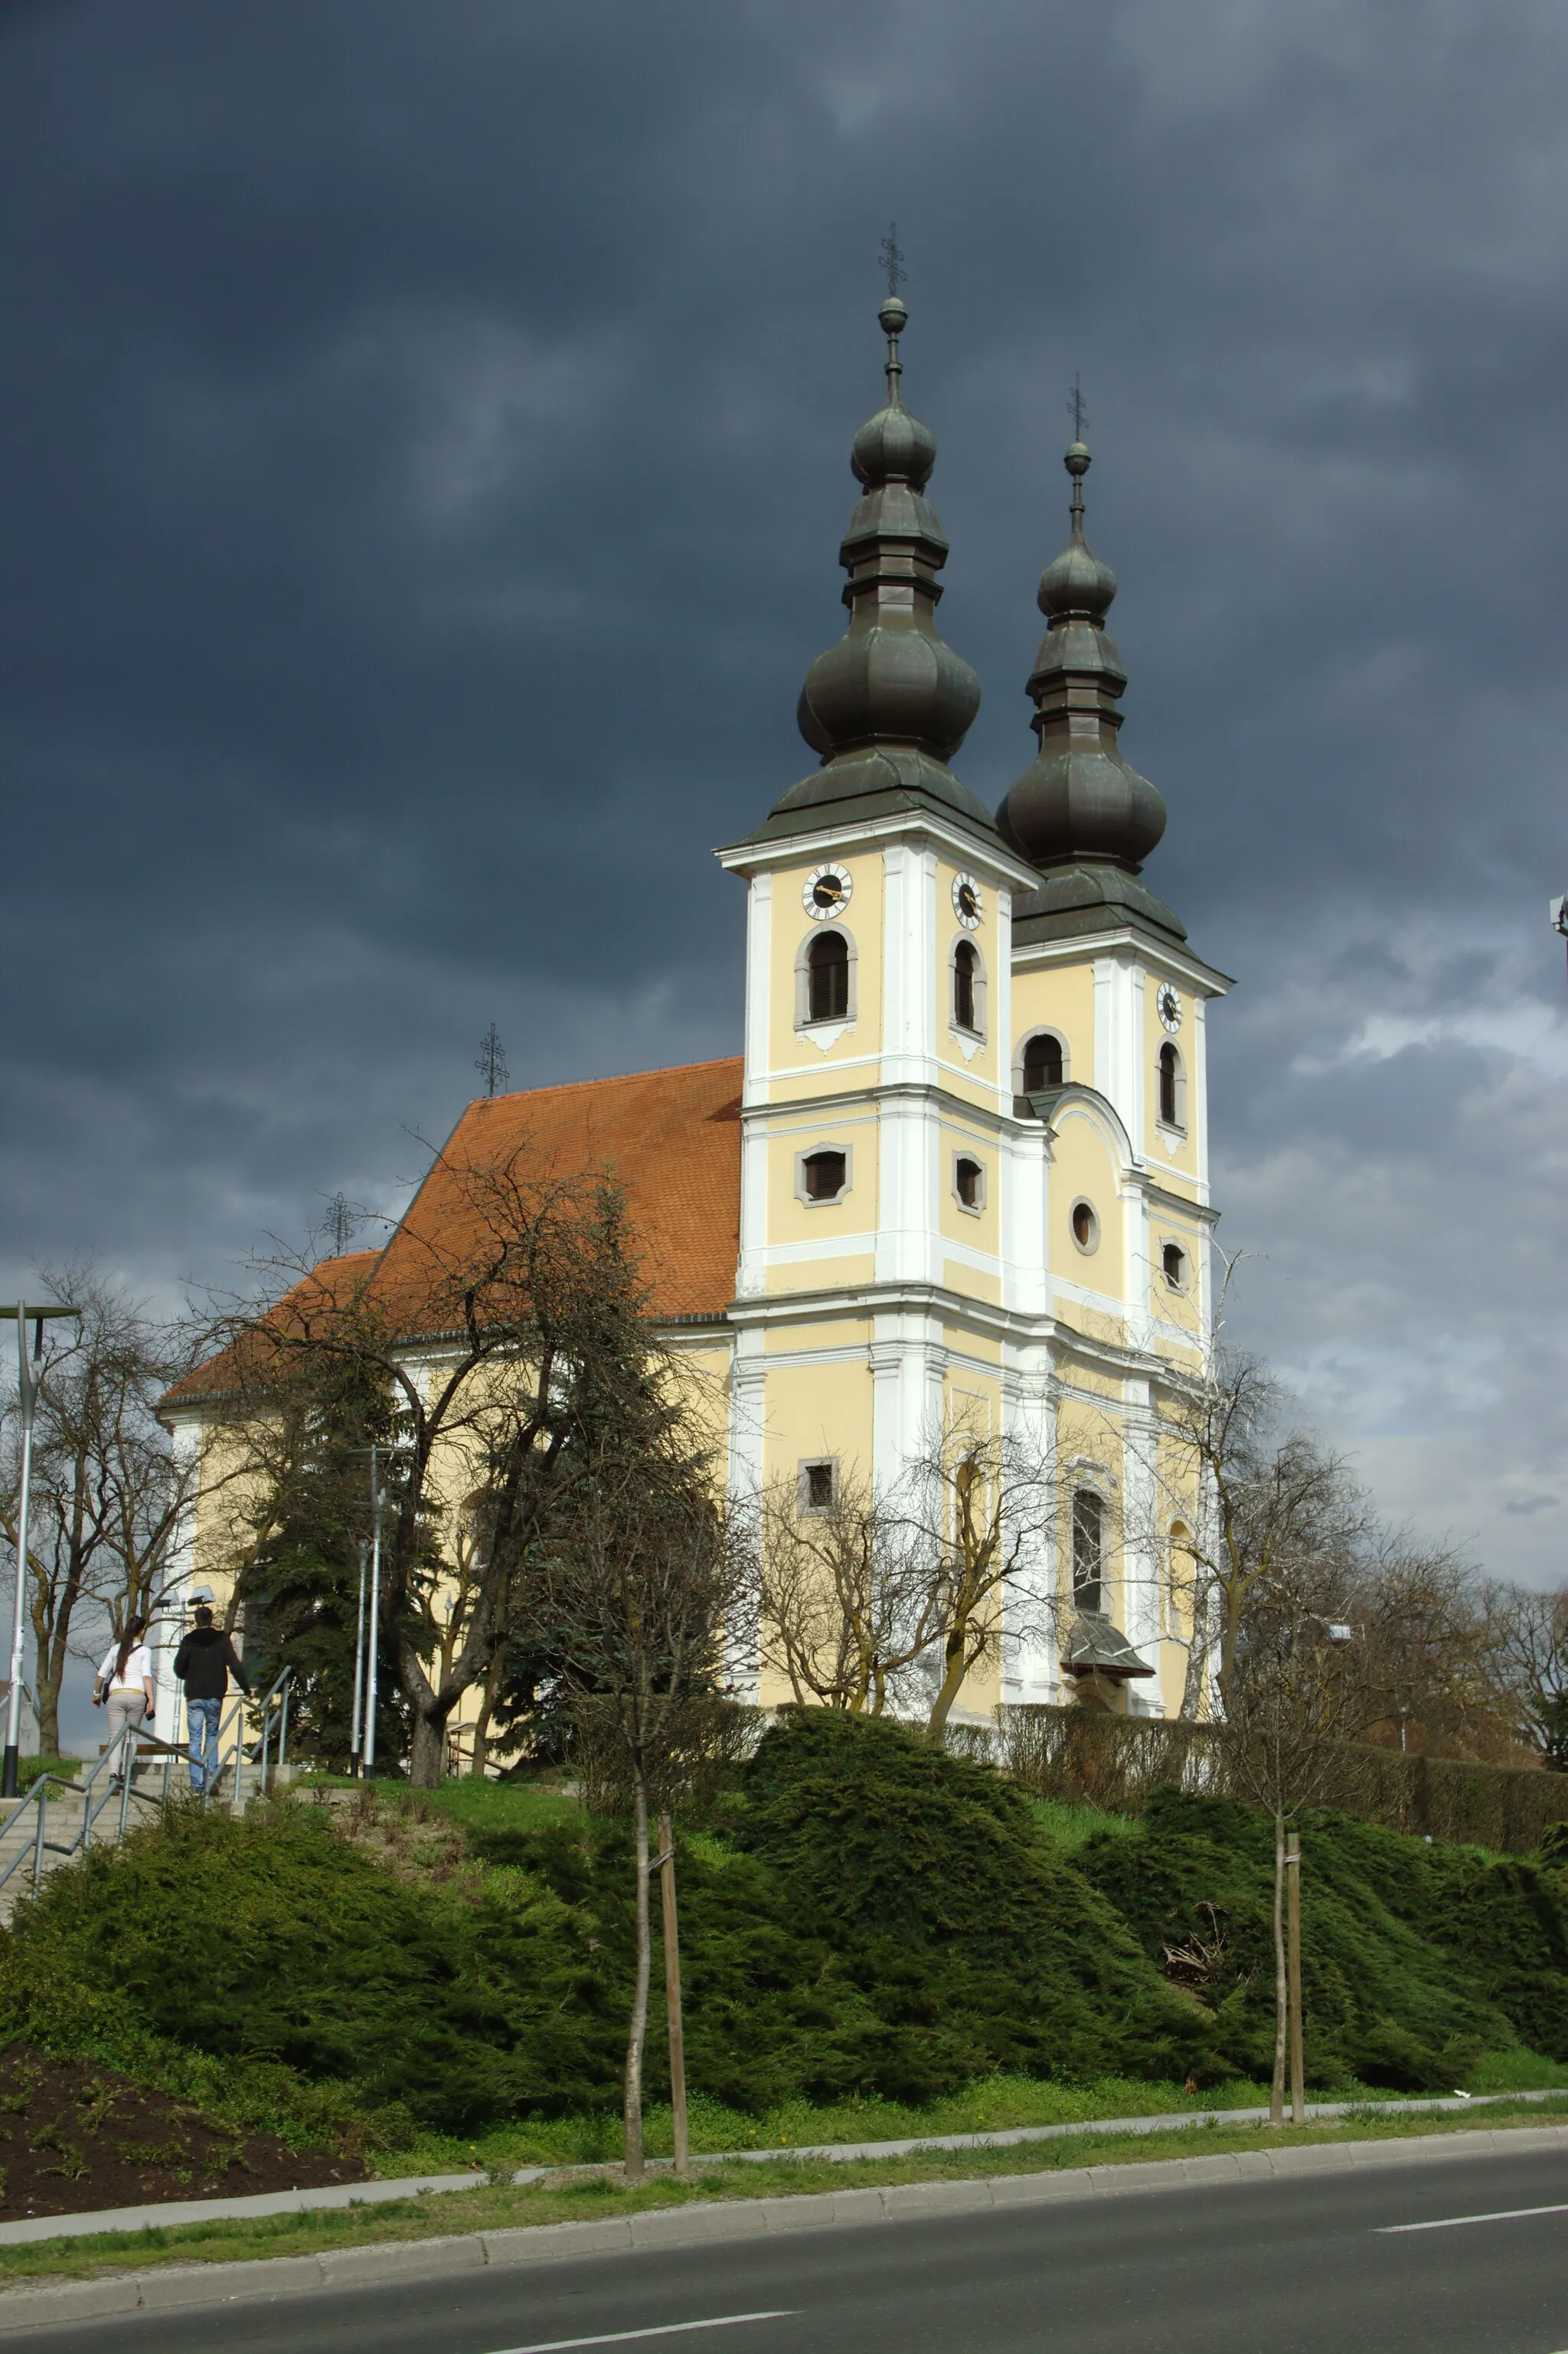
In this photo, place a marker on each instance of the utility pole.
(672, 1999)
(29, 1376)
(355, 1722)
(1293, 1932)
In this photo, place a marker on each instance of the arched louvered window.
(827, 978)
(1042, 1063)
(966, 966)
(1170, 1074)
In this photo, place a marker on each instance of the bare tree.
(1529, 1647)
(503, 1331)
(982, 1512)
(1293, 1703)
(874, 1600)
(107, 1491)
(1431, 1651)
(1254, 1494)
(845, 1594)
(647, 1592)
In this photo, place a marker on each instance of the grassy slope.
(426, 1845)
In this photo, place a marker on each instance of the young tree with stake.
(648, 1592)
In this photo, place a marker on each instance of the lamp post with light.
(365, 1650)
(355, 1720)
(29, 1375)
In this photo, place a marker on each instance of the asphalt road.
(1305, 2266)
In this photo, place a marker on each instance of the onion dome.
(1079, 803)
(1077, 585)
(888, 705)
(892, 443)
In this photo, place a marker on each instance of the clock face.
(966, 903)
(826, 893)
(1170, 1006)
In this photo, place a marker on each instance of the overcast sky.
(425, 436)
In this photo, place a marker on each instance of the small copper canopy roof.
(1093, 1647)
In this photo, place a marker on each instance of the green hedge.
(1090, 1758)
(1416, 1959)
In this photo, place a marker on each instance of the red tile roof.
(671, 1141)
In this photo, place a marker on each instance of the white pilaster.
(1023, 1154)
(909, 1360)
(759, 967)
(1030, 1669)
(1118, 1040)
(1141, 1547)
(748, 1434)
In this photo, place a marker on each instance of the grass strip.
(993, 2104)
(582, 2199)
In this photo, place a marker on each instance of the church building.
(957, 1178)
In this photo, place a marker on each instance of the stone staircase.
(63, 1817)
(58, 1819)
(152, 1780)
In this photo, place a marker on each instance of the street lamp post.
(378, 1504)
(28, 1375)
(354, 1734)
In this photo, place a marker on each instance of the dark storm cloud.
(425, 446)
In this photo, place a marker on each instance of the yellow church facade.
(958, 1180)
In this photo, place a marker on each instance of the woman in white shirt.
(126, 1681)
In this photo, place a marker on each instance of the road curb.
(163, 2213)
(164, 2287)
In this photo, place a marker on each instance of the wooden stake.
(1281, 1981)
(672, 1998)
(1293, 1894)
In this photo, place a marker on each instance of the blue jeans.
(201, 1717)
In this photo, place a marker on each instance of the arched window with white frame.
(1170, 1081)
(967, 983)
(1042, 1064)
(824, 978)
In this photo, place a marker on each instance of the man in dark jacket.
(203, 1663)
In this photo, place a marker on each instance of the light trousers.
(126, 1709)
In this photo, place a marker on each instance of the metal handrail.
(120, 1750)
(238, 1754)
(123, 1753)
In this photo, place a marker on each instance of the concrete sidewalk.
(352, 2194)
(165, 2287)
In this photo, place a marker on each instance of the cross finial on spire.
(890, 255)
(491, 1062)
(341, 1221)
(1077, 410)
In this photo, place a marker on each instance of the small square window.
(1173, 1266)
(818, 1485)
(822, 1175)
(968, 1183)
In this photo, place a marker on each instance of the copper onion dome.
(891, 678)
(1079, 804)
(888, 706)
